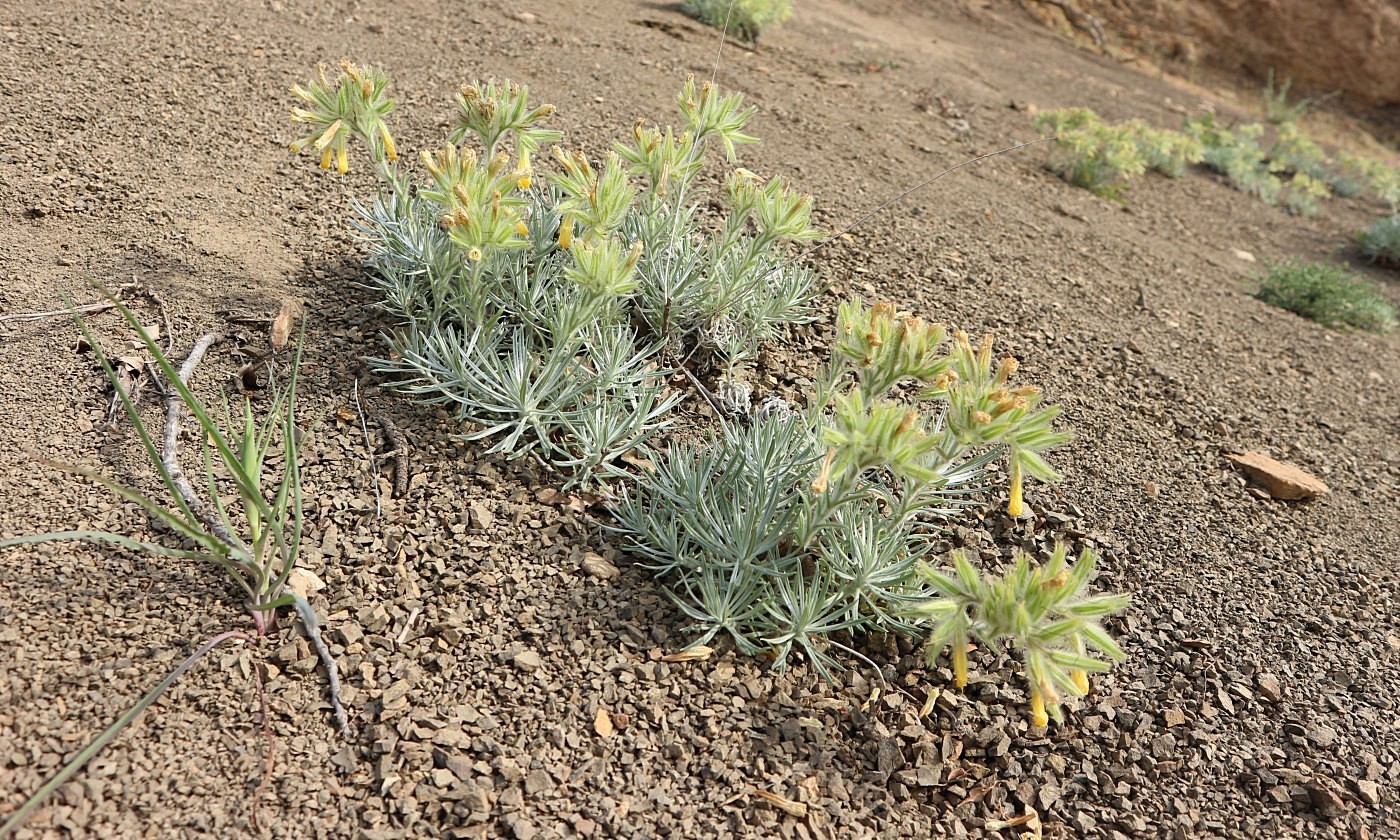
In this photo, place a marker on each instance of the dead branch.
(170, 452)
(313, 631)
(369, 449)
(1084, 22)
(85, 309)
(398, 455)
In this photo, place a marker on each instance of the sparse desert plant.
(1381, 241)
(782, 532)
(1277, 108)
(1295, 152)
(243, 528)
(1355, 174)
(1329, 295)
(543, 314)
(1304, 194)
(1349, 175)
(1385, 183)
(745, 19)
(1237, 155)
(1089, 153)
(1165, 151)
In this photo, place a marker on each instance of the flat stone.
(1269, 687)
(1323, 736)
(1280, 480)
(527, 660)
(598, 566)
(1369, 791)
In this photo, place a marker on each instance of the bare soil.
(145, 141)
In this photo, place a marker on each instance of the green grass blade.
(178, 524)
(105, 536)
(249, 492)
(18, 817)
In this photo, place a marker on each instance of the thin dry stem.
(170, 452)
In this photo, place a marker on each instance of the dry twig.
(399, 454)
(1083, 21)
(369, 448)
(170, 452)
(85, 309)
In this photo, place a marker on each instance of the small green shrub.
(1091, 154)
(1295, 153)
(1166, 152)
(545, 315)
(1328, 295)
(1238, 156)
(1305, 193)
(1348, 177)
(744, 19)
(1356, 174)
(1381, 242)
(785, 531)
(1277, 108)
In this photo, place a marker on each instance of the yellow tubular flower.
(1016, 506)
(522, 230)
(342, 160)
(566, 232)
(1006, 369)
(390, 151)
(474, 255)
(326, 157)
(960, 664)
(1038, 715)
(328, 136)
(907, 422)
(1081, 680)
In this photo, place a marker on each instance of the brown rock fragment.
(598, 566)
(1269, 687)
(1282, 481)
(1369, 791)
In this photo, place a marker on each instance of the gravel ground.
(505, 664)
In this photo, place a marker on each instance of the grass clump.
(744, 19)
(1329, 295)
(241, 523)
(1381, 241)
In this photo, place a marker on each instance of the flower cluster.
(354, 104)
(1043, 609)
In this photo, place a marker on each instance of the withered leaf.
(797, 809)
(282, 324)
(698, 653)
